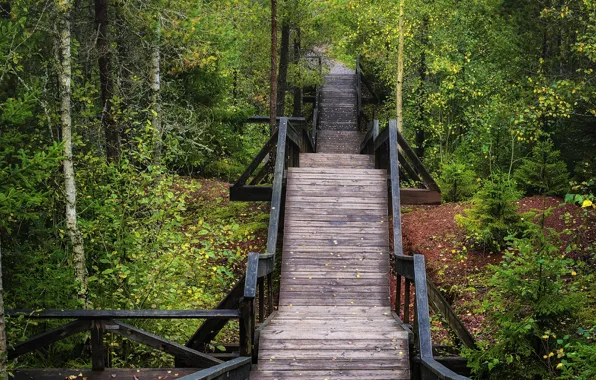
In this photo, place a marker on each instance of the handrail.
(298, 133)
(412, 268)
(363, 119)
(122, 314)
(261, 266)
(359, 110)
(315, 118)
(99, 321)
(238, 368)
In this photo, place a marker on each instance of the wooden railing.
(362, 79)
(299, 139)
(250, 293)
(99, 322)
(410, 165)
(384, 146)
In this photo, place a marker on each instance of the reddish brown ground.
(433, 232)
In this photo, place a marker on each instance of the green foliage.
(534, 314)
(543, 172)
(493, 215)
(457, 182)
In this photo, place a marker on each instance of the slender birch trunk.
(3, 346)
(400, 70)
(155, 95)
(65, 9)
(273, 79)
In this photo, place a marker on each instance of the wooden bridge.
(334, 186)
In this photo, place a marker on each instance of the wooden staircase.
(338, 128)
(334, 319)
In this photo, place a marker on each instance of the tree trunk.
(422, 92)
(284, 55)
(3, 345)
(105, 77)
(297, 90)
(155, 96)
(400, 70)
(273, 79)
(65, 8)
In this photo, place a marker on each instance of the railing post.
(261, 299)
(276, 198)
(270, 292)
(246, 326)
(97, 347)
(395, 196)
(247, 307)
(422, 316)
(358, 92)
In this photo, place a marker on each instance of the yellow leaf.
(587, 203)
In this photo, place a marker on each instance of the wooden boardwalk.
(334, 319)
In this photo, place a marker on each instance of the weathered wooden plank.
(337, 181)
(250, 282)
(335, 224)
(122, 314)
(317, 283)
(439, 303)
(250, 193)
(310, 275)
(393, 353)
(211, 327)
(48, 338)
(339, 172)
(107, 374)
(257, 160)
(333, 302)
(152, 340)
(297, 212)
(280, 159)
(97, 347)
(337, 311)
(332, 199)
(236, 369)
(346, 323)
(344, 364)
(348, 334)
(334, 157)
(333, 374)
(419, 197)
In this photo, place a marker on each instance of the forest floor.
(461, 270)
(210, 203)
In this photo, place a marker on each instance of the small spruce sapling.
(543, 172)
(493, 215)
(457, 182)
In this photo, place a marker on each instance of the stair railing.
(361, 78)
(251, 185)
(249, 295)
(384, 146)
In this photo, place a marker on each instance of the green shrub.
(543, 172)
(457, 182)
(493, 215)
(533, 309)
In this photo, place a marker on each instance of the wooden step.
(355, 161)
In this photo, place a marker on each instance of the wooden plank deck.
(334, 319)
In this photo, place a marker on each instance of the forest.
(122, 123)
